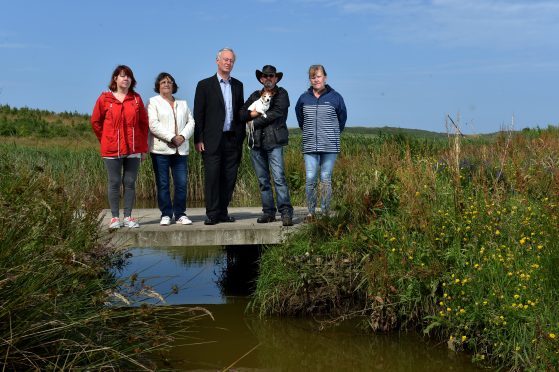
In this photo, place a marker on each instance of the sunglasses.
(268, 75)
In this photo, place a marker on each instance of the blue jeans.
(313, 161)
(178, 164)
(265, 161)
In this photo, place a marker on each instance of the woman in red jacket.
(120, 122)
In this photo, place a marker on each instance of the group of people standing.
(127, 131)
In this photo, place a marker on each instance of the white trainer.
(184, 220)
(115, 223)
(165, 221)
(130, 222)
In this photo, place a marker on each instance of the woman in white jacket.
(171, 125)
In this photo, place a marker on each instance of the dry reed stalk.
(503, 157)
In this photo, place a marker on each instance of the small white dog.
(262, 104)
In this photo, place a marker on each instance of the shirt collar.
(220, 79)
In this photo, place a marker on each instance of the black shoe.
(227, 218)
(287, 221)
(211, 221)
(265, 218)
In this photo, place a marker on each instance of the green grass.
(456, 237)
(60, 306)
(458, 241)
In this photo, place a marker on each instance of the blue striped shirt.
(322, 120)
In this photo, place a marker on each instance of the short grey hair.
(226, 50)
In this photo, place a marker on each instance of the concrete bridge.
(244, 231)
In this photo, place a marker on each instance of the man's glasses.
(266, 76)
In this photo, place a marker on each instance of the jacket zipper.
(176, 126)
(316, 124)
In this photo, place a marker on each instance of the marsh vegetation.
(457, 237)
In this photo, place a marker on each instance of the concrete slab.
(244, 231)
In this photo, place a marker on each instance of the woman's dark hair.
(127, 71)
(162, 76)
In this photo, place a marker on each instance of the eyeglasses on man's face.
(268, 76)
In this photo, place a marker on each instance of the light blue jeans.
(265, 161)
(323, 161)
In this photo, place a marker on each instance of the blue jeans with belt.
(315, 162)
(264, 162)
(178, 164)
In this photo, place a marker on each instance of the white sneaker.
(165, 221)
(115, 223)
(184, 220)
(130, 222)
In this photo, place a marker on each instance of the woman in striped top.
(321, 114)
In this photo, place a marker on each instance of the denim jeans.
(313, 161)
(178, 164)
(265, 161)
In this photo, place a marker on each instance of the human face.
(225, 63)
(318, 81)
(269, 80)
(166, 87)
(123, 81)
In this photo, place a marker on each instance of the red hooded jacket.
(121, 127)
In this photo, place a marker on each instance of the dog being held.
(262, 104)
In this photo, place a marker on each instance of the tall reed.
(463, 244)
(60, 307)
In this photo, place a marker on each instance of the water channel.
(220, 281)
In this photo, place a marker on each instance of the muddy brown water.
(220, 282)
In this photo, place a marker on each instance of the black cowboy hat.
(268, 69)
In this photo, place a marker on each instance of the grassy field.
(61, 308)
(456, 237)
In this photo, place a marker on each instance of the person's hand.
(144, 156)
(199, 147)
(254, 114)
(177, 140)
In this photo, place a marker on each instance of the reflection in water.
(182, 275)
(297, 345)
(238, 277)
(211, 276)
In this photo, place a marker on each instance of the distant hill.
(380, 131)
(394, 131)
(24, 121)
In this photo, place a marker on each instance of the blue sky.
(397, 63)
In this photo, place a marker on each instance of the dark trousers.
(220, 170)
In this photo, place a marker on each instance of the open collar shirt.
(225, 85)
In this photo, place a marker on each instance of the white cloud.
(12, 46)
(21, 46)
(482, 23)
